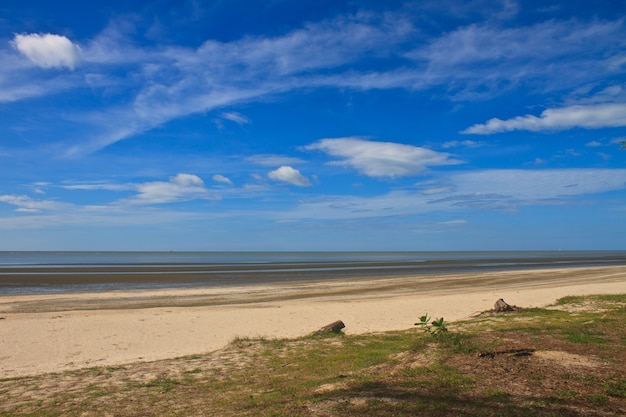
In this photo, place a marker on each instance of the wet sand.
(31, 278)
(55, 332)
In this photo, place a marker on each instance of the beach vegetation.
(162, 383)
(435, 327)
(556, 357)
(584, 336)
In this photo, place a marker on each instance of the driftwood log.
(334, 327)
(501, 306)
(513, 352)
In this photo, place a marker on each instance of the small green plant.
(436, 327)
(439, 326)
(424, 321)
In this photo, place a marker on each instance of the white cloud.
(289, 175)
(100, 186)
(182, 81)
(164, 83)
(461, 143)
(510, 188)
(235, 117)
(458, 193)
(443, 189)
(222, 179)
(48, 50)
(453, 223)
(503, 190)
(181, 187)
(268, 160)
(100, 216)
(484, 59)
(595, 116)
(27, 204)
(381, 159)
(15, 93)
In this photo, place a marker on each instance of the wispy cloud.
(461, 192)
(235, 117)
(588, 117)
(99, 186)
(484, 59)
(461, 144)
(153, 85)
(21, 80)
(98, 216)
(381, 159)
(183, 81)
(542, 183)
(453, 223)
(268, 160)
(26, 204)
(180, 187)
(502, 190)
(159, 84)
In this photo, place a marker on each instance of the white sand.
(50, 336)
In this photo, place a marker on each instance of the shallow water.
(59, 272)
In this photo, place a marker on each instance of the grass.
(401, 373)
(162, 384)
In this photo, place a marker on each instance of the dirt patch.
(565, 359)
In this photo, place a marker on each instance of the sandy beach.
(57, 332)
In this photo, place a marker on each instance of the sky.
(335, 125)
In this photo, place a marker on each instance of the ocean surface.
(59, 272)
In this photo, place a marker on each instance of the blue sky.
(328, 125)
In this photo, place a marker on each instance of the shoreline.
(42, 333)
(91, 276)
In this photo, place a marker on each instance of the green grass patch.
(584, 336)
(162, 384)
(616, 388)
(599, 299)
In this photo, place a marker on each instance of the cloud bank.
(474, 191)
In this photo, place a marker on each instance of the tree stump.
(334, 327)
(502, 306)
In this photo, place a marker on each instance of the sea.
(61, 272)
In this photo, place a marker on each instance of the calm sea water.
(33, 272)
(68, 259)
